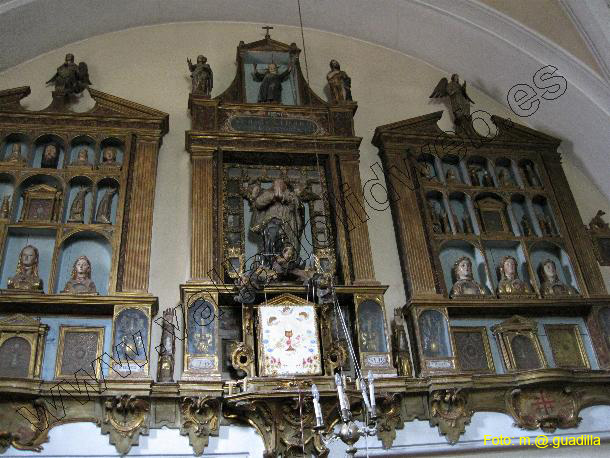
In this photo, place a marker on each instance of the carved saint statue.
(597, 222)
(50, 157)
(77, 209)
(339, 83)
(80, 281)
(167, 350)
(426, 170)
(464, 285)
(109, 157)
(26, 277)
(551, 284)
(5, 209)
(487, 179)
(15, 154)
(104, 210)
(452, 177)
(504, 178)
(510, 283)
(473, 172)
(525, 226)
(270, 90)
(545, 224)
(70, 78)
(460, 102)
(82, 158)
(201, 76)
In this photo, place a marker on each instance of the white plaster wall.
(148, 65)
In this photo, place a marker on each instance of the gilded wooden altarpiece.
(466, 208)
(76, 186)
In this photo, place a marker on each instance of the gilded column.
(202, 211)
(414, 251)
(356, 220)
(136, 260)
(583, 246)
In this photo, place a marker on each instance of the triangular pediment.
(288, 299)
(508, 133)
(19, 320)
(269, 44)
(107, 107)
(515, 323)
(41, 188)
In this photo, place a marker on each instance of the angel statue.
(460, 102)
(70, 78)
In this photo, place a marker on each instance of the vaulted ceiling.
(493, 45)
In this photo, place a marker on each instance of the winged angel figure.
(460, 102)
(70, 78)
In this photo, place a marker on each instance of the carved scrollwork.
(449, 411)
(390, 419)
(24, 426)
(544, 408)
(242, 357)
(125, 418)
(199, 420)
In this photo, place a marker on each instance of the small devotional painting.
(15, 355)
(78, 350)
(524, 353)
(202, 337)
(566, 345)
(131, 337)
(288, 340)
(472, 348)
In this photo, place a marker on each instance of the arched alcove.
(105, 157)
(96, 248)
(451, 251)
(49, 152)
(107, 193)
(78, 145)
(78, 204)
(15, 147)
(541, 251)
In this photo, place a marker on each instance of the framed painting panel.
(288, 340)
(79, 348)
(472, 349)
(567, 346)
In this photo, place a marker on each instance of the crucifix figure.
(267, 28)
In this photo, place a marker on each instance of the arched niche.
(493, 216)
(497, 249)
(43, 146)
(98, 250)
(43, 239)
(7, 190)
(521, 220)
(79, 201)
(371, 326)
(451, 251)
(107, 200)
(529, 174)
(540, 251)
(453, 172)
(9, 150)
(463, 211)
(119, 148)
(479, 172)
(428, 167)
(15, 357)
(439, 218)
(505, 172)
(28, 183)
(544, 217)
(78, 144)
(434, 335)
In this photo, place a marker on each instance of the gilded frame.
(283, 301)
(507, 331)
(482, 330)
(142, 371)
(33, 332)
(63, 330)
(384, 358)
(214, 372)
(427, 364)
(574, 331)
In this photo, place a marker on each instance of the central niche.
(294, 196)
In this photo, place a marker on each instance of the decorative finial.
(267, 28)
